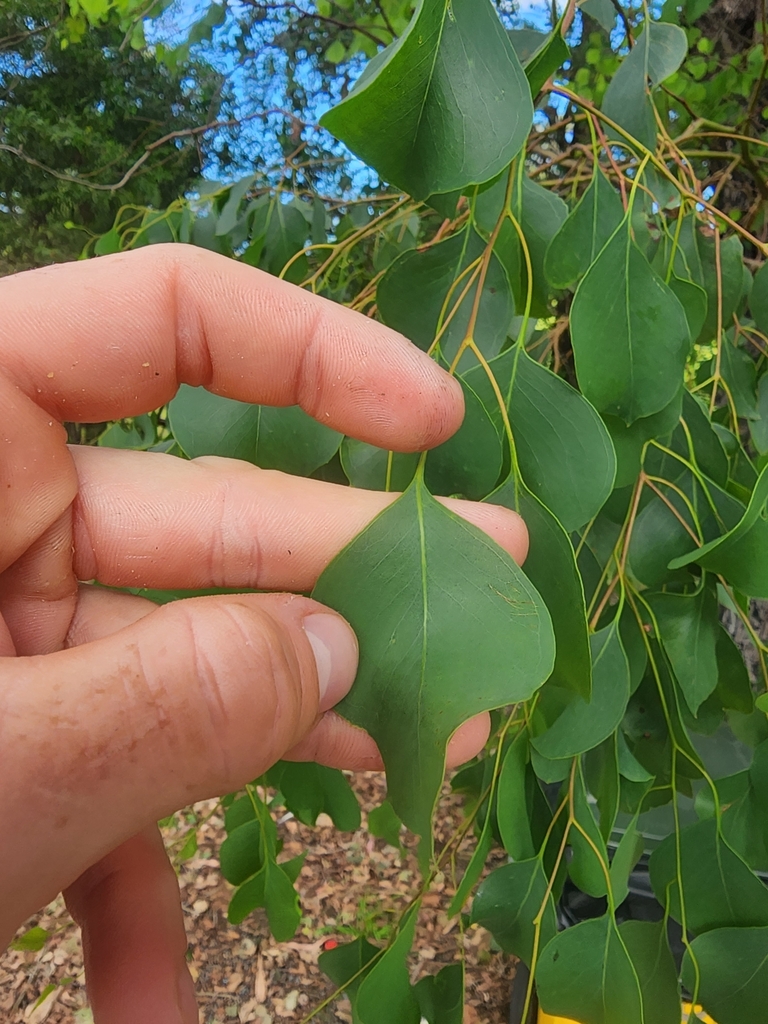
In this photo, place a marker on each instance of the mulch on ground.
(350, 883)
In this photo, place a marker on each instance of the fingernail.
(335, 648)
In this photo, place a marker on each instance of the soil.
(350, 883)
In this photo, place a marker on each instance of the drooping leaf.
(758, 428)
(586, 974)
(507, 903)
(272, 889)
(469, 463)
(563, 448)
(540, 214)
(474, 869)
(385, 824)
(698, 254)
(719, 889)
(434, 603)
(589, 867)
(347, 965)
(741, 555)
(732, 975)
(648, 949)
(311, 789)
(450, 101)
(376, 469)
(582, 725)
(602, 11)
(385, 993)
(758, 299)
(441, 996)
(601, 772)
(542, 62)
(243, 852)
(551, 567)
(688, 630)
(740, 377)
(734, 689)
(658, 53)
(286, 439)
(629, 333)
(627, 854)
(629, 441)
(419, 292)
(581, 237)
(512, 814)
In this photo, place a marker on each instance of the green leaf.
(719, 889)
(434, 602)
(758, 298)
(734, 689)
(286, 439)
(242, 853)
(450, 101)
(551, 567)
(602, 11)
(629, 333)
(584, 233)
(563, 449)
(385, 993)
(589, 864)
(700, 257)
(629, 441)
(419, 292)
(469, 463)
(230, 213)
(136, 434)
(376, 469)
(507, 903)
(601, 772)
(739, 373)
(585, 973)
(688, 630)
(582, 725)
(627, 854)
(741, 555)
(474, 869)
(656, 55)
(708, 451)
(441, 996)
(189, 849)
(385, 824)
(540, 214)
(347, 965)
(732, 974)
(512, 816)
(272, 889)
(546, 59)
(648, 949)
(758, 428)
(311, 789)
(32, 941)
(108, 243)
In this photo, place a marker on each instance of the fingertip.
(468, 740)
(502, 524)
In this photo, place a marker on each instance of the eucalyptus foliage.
(606, 314)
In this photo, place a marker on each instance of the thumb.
(192, 701)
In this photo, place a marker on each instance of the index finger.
(114, 337)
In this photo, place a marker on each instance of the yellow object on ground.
(704, 1018)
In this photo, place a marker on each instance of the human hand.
(114, 713)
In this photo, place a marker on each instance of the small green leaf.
(511, 804)
(385, 824)
(310, 789)
(374, 468)
(507, 903)
(419, 291)
(587, 229)
(242, 853)
(688, 630)
(602, 11)
(347, 965)
(385, 993)
(719, 889)
(589, 864)
(434, 602)
(734, 689)
(582, 725)
(648, 949)
(731, 973)
(474, 869)
(585, 973)
(629, 333)
(32, 941)
(189, 849)
(741, 555)
(551, 567)
(450, 101)
(441, 995)
(469, 463)
(286, 439)
(657, 54)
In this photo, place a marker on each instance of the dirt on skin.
(350, 883)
